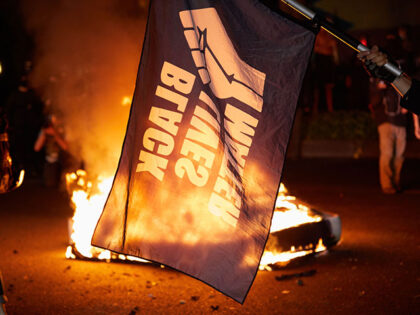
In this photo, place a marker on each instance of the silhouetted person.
(391, 120)
(10, 176)
(24, 113)
(407, 88)
(325, 61)
(52, 139)
(4, 164)
(3, 298)
(405, 49)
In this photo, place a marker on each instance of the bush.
(342, 125)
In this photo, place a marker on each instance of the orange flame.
(271, 258)
(289, 213)
(88, 201)
(88, 205)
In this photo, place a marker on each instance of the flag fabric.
(210, 121)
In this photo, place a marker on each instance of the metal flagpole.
(337, 33)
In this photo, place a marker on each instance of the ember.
(126, 101)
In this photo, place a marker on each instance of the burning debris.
(88, 200)
(296, 230)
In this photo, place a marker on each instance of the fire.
(88, 207)
(88, 200)
(289, 213)
(271, 258)
(21, 177)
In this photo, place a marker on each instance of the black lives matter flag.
(210, 121)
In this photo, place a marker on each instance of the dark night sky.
(17, 46)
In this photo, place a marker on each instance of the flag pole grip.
(389, 66)
(337, 33)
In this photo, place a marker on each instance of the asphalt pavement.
(375, 269)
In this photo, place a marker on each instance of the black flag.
(210, 121)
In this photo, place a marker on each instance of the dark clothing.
(411, 99)
(52, 166)
(52, 174)
(24, 113)
(387, 112)
(9, 175)
(52, 149)
(3, 298)
(386, 108)
(324, 69)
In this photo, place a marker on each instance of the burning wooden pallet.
(296, 231)
(302, 240)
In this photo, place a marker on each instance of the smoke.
(85, 62)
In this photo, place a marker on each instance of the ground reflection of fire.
(88, 201)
